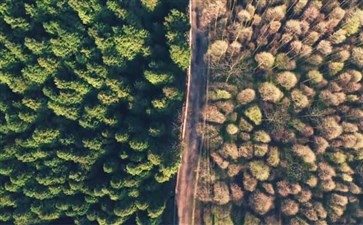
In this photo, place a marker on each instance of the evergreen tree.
(82, 103)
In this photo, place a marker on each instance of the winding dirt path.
(186, 180)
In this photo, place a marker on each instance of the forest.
(94, 94)
(282, 126)
(91, 93)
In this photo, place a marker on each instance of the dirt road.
(197, 73)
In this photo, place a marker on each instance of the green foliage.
(150, 4)
(219, 95)
(254, 114)
(297, 171)
(273, 157)
(261, 136)
(138, 144)
(176, 24)
(315, 76)
(132, 42)
(110, 166)
(35, 74)
(231, 129)
(88, 94)
(122, 137)
(260, 150)
(352, 26)
(158, 79)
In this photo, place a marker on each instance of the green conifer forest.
(181, 112)
(90, 96)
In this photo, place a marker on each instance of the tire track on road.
(186, 180)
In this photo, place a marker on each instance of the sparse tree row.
(90, 93)
(283, 122)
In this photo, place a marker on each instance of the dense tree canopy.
(89, 97)
(282, 125)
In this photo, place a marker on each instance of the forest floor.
(187, 176)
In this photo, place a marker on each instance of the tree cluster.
(284, 114)
(90, 93)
